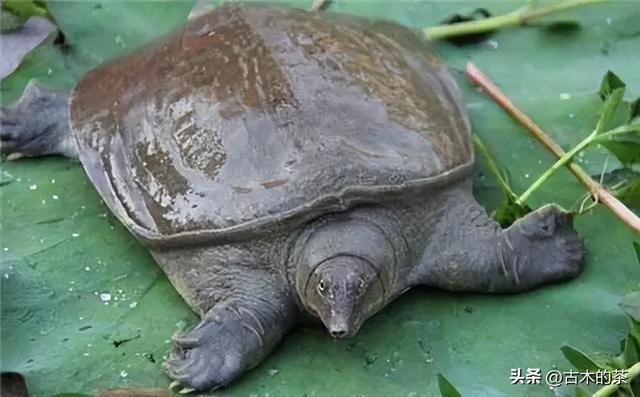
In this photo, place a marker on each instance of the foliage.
(617, 129)
(627, 359)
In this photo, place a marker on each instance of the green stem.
(493, 167)
(608, 389)
(561, 161)
(616, 131)
(514, 18)
(595, 137)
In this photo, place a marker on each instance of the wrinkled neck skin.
(346, 265)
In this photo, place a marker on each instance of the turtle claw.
(177, 386)
(37, 124)
(185, 342)
(210, 356)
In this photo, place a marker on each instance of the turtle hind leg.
(37, 124)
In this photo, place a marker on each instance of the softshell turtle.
(281, 164)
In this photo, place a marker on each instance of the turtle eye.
(322, 286)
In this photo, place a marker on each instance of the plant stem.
(513, 18)
(595, 136)
(562, 161)
(597, 192)
(616, 131)
(608, 389)
(493, 167)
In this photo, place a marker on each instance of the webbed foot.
(229, 341)
(212, 354)
(37, 124)
(544, 247)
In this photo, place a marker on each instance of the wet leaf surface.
(62, 255)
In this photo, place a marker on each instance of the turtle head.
(343, 291)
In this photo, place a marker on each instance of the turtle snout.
(341, 326)
(339, 330)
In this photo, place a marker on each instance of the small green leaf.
(446, 388)
(578, 359)
(624, 183)
(634, 328)
(629, 194)
(630, 352)
(634, 111)
(610, 83)
(611, 92)
(626, 147)
(26, 7)
(10, 21)
(509, 212)
(630, 303)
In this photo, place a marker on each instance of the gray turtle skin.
(283, 165)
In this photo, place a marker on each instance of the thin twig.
(518, 17)
(599, 193)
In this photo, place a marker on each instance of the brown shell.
(254, 116)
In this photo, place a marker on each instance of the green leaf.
(26, 7)
(626, 147)
(624, 183)
(609, 85)
(634, 329)
(611, 91)
(634, 111)
(509, 211)
(579, 359)
(629, 194)
(498, 172)
(636, 246)
(446, 388)
(10, 21)
(630, 351)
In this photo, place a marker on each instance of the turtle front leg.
(38, 124)
(475, 254)
(233, 336)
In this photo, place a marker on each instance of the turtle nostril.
(338, 333)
